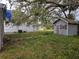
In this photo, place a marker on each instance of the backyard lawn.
(40, 45)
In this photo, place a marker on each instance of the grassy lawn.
(40, 45)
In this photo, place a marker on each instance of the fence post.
(1, 24)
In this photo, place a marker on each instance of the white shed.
(66, 27)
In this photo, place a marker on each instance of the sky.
(6, 2)
(77, 14)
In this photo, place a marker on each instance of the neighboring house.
(66, 27)
(23, 28)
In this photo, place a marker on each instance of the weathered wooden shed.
(2, 6)
(64, 26)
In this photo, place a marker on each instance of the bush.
(19, 31)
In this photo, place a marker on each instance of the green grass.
(40, 45)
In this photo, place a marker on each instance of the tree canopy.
(45, 11)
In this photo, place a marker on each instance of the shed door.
(63, 29)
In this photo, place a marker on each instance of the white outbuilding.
(64, 26)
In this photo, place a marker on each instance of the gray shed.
(66, 27)
(2, 6)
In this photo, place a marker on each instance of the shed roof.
(69, 21)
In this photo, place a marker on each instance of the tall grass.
(40, 45)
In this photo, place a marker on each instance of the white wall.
(72, 29)
(23, 27)
(57, 28)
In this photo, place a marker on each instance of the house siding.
(58, 30)
(23, 27)
(72, 29)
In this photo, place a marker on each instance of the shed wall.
(72, 29)
(59, 30)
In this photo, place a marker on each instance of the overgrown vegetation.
(40, 45)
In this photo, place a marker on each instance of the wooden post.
(1, 24)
